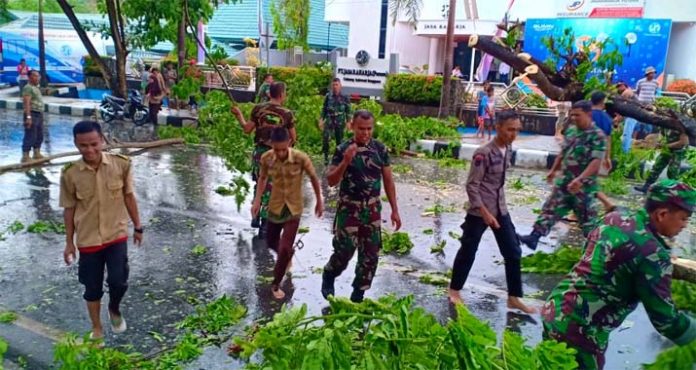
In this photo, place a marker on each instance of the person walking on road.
(335, 115)
(264, 117)
(98, 197)
(485, 188)
(671, 156)
(359, 165)
(33, 117)
(580, 158)
(155, 93)
(286, 166)
(626, 260)
(629, 123)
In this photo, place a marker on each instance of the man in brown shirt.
(97, 194)
(286, 166)
(265, 117)
(485, 188)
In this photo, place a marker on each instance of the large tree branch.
(91, 50)
(672, 120)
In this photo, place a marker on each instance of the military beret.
(673, 192)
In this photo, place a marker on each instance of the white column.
(433, 55)
(472, 68)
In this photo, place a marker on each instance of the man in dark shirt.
(485, 189)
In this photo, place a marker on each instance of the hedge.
(321, 79)
(413, 89)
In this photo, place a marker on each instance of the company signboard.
(600, 8)
(362, 73)
(643, 42)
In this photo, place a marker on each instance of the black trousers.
(91, 274)
(34, 135)
(506, 237)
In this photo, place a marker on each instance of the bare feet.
(454, 296)
(277, 293)
(516, 303)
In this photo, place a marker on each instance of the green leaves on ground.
(7, 317)
(389, 333)
(401, 168)
(3, 350)
(199, 250)
(303, 230)
(675, 358)
(435, 279)
(561, 261)
(438, 248)
(13, 228)
(208, 326)
(396, 243)
(41, 226)
(518, 184)
(438, 209)
(684, 295)
(224, 190)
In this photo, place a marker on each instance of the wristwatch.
(139, 231)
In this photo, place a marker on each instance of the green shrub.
(397, 132)
(535, 101)
(413, 89)
(320, 77)
(90, 67)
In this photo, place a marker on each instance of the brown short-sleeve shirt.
(287, 180)
(268, 115)
(101, 218)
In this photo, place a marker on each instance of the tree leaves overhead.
(410, 8)
(291, 23)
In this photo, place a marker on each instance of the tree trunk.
(548, 83)
(445, 96)
(91, 50)
(117, 34)
(181, 44)
(42, 48)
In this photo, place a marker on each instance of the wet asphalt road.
(179, 208)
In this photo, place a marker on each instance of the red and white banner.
(600, 8)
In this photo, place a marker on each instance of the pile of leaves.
(390, 334)
(208, 326)
(675, 358)
(396, 243)
(49, 226)
(13, 228)
(561, 261)
(684, 295)
(7, 317)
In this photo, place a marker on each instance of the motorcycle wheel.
(107, 115)
(140, 116)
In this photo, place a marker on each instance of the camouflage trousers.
(255, 169)
(561, 202)
(335, 130)
(668, 158)
(357, 226)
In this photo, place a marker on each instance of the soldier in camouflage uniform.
(359, 165)
(334, 116)
(671, 157)
(579, 160)
(626, 261)
(264, 94)
(264, 117)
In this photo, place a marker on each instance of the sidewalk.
(529, 150)
(9, 99)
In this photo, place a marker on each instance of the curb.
(523, 158)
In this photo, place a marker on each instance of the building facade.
(422, 45)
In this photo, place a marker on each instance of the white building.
(371, 28)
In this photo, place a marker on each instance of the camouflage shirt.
(362, 180)
(268, 115)
(264, 90)
(671, 136)
(579, 148)
(625, 262)
(336, 109)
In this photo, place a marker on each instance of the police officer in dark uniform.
(485, 189)
(335, 113)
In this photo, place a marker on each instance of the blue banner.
(643, 42)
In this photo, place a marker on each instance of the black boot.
(643, 189)
(530, 240)
(358, 295)
(327, 285)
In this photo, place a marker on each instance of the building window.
(383, 28)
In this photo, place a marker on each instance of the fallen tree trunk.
(547, 81)
(684, 270)
(139, 145)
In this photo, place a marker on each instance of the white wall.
(682, 49)
(412, 49)
(676, 10)
(337, 11)
(363, 33)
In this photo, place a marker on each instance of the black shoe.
(256, 222)
(357, 296)
(530, 240)
(643, 189)
(327, 285)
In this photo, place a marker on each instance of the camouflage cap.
(673, 192)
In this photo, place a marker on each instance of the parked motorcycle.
(112, 107)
